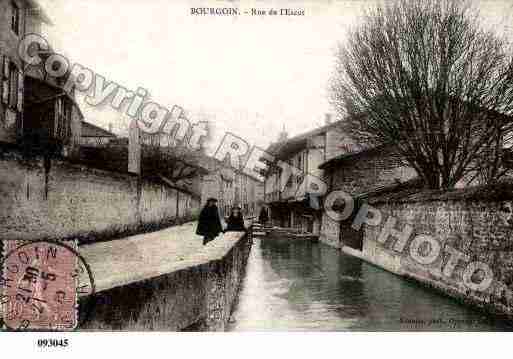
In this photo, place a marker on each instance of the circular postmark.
(41, 283)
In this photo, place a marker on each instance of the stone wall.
(55, 199)
(197, 296)
(330, 231)
(475, 222)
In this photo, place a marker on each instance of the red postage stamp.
(40, 285)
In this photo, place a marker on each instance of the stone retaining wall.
(55, 199)
(478, 224)
(197, 293)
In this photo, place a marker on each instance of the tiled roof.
(276, 148)
(351, 156)
(90, 130)
(396, 188)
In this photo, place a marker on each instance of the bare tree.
(425, 77)
(177, 162)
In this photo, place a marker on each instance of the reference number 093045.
(52, 343)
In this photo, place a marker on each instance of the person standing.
(209, 223)
(235, 221)
(263, 217)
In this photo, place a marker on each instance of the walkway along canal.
(309, 286)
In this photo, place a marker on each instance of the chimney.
(327, 119)
(283, 135)
(110, 127)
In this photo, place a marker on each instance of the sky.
(249, 75)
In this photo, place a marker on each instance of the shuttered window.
(63, 111)
(12, 85)
(5, 79)
(15, 18)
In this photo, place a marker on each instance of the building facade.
(231, 188)
(286, 195)
(34, 109)
(17, 18)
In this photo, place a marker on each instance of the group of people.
(209, 222)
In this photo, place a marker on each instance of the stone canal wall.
(474, 231)
(151, 284)
(56, 199)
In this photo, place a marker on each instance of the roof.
(38, 11)
(352, 156)
(396, 189)
(296, 143)
(90, 130)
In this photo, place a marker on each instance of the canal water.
(309, 286)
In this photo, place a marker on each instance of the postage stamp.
(41, 283)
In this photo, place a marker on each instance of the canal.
(309, 286)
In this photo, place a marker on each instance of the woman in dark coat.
(235, 221)
(263, 217)
(209, 224)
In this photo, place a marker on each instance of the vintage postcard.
(255, 166)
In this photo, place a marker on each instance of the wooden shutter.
(5, 67)
(20, 91)
(10, 119)
(4, 78)
(5, 92)
(58, 117)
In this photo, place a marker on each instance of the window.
(13, 85)
(289, 182)
(63, 111)
(300, 178)
(15, 18)
(58, 117)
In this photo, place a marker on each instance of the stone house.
(360, 174)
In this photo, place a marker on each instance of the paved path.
(149, 255)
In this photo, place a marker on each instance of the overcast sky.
(248, 75)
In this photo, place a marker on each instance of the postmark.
(41, 283)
